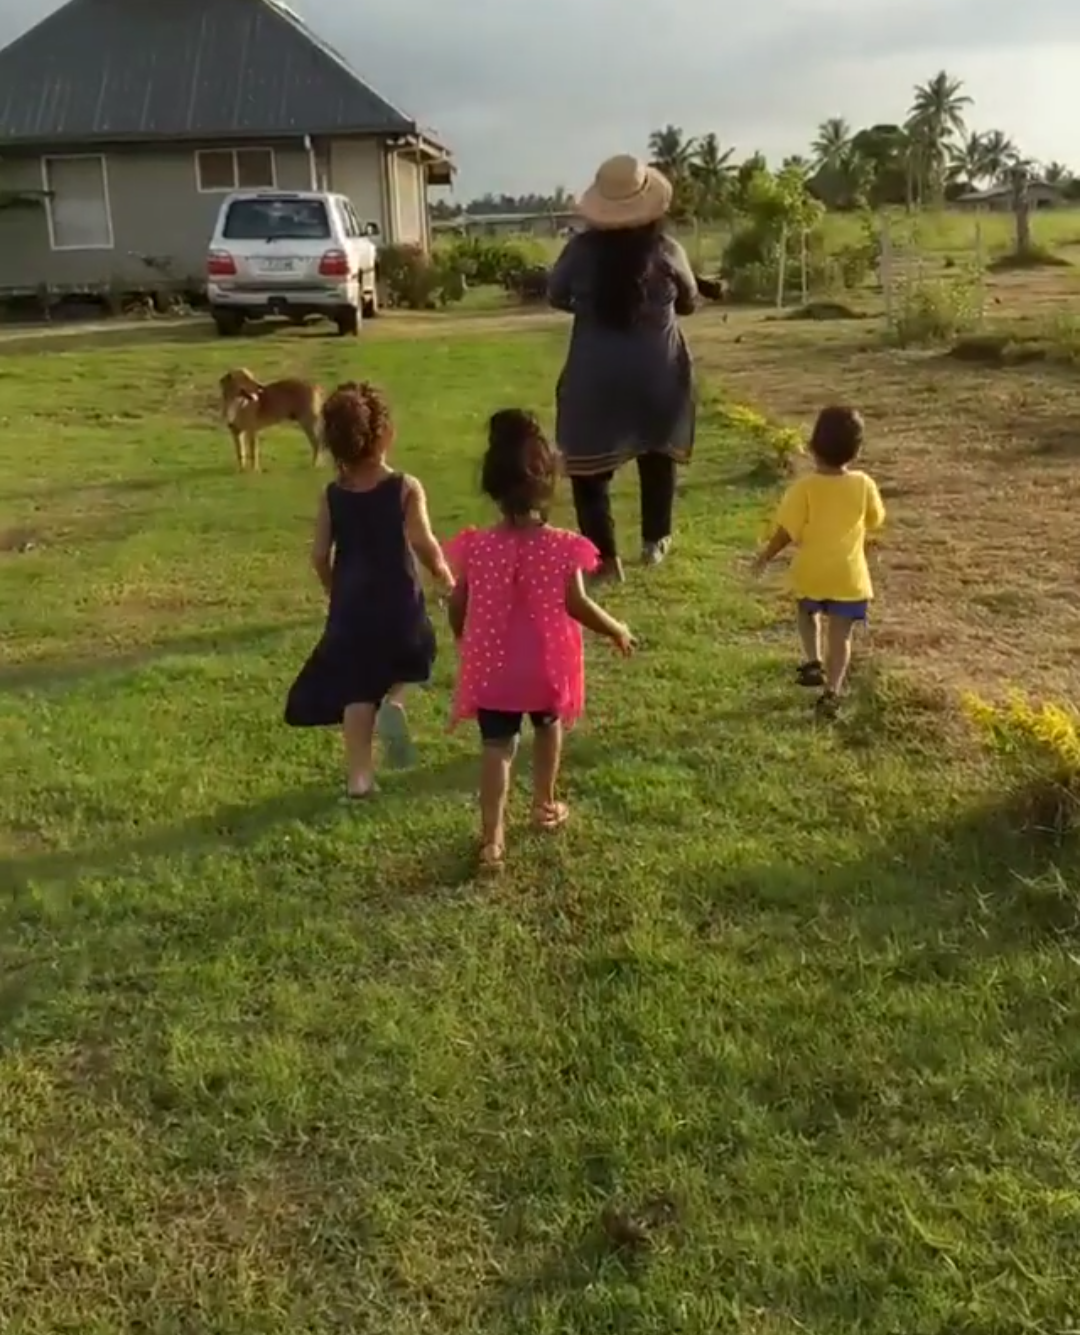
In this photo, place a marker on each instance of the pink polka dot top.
(520, 651)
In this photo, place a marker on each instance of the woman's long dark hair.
(624, 261)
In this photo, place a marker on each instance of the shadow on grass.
(120, 489)
(57, 674)
(235, 824)
(50, 339)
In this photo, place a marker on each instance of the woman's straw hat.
(625, 192)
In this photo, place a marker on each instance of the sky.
(530, 96)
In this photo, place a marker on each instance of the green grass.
(272, 1065)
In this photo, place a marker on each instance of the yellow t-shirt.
(827, 516)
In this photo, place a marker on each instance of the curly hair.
(520, 467)
(355, 422)
(837, 436)
(624, 260)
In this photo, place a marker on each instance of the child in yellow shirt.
(826, 515)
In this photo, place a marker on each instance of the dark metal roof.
(128, 70)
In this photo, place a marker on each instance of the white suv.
(291, 254)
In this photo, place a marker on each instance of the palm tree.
(935, 119)
(967, 160)
(831, 143)
(1056, 173)
(671, 152)
(712, 171)
(797, 165)
(999, 155)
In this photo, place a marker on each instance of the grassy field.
(795, 996)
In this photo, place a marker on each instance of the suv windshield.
(277, 220)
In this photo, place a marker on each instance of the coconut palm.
(999, 155)
(831, 143)
(935, 120)
(712, 171)
(671, 151)
(967, 160)
(1056, 173)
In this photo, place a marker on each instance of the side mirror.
(372, 229)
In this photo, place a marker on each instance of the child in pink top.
(517, 611)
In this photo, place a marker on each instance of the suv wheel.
(348, 322)
(228, 323)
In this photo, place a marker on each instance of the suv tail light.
(334, 264)
(220, 264)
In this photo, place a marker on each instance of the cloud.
(531, 96)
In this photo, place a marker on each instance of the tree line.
(928, 159)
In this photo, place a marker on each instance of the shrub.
(531, 285)
(751, 264)
(776, 448)
(415, 281)
(1037, 748)
(935, 311)
(492, 262)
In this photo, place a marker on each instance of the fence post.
(980, 262)
(885, 268)
(781, 266)
(804, 262)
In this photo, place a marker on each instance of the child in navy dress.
(371, 529)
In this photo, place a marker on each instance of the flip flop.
(359, 794)
(550, 817)
(392, 729)
(492, 859)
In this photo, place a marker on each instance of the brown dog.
(249, 407)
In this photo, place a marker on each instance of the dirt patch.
(981, 470)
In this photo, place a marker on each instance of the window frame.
(46, 186)
(232, 153)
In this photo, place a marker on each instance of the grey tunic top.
(624, 392)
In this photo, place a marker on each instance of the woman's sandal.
(550, 817)
(492, 859)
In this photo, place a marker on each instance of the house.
(999, 198)
(124, 122)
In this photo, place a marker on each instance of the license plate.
(277, 266)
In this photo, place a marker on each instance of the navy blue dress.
(378, 633)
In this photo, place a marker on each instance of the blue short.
(836, 607)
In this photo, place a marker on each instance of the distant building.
(554, 223)
(999, 198)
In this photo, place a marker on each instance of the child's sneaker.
(392, 729)
(810, 674)
(828, 707)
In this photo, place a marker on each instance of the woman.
(626, 390)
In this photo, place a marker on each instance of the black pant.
(592, 501)
(498, 727)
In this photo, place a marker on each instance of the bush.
(1037, 748)
(935, 312)
(492, 262)
(415, 281)
(751, 264)
(776, 448)
(531, 285)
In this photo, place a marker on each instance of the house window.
(77, 203)
(220, 170)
